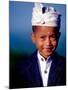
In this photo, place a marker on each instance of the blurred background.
(20, 14)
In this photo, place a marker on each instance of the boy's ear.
(33, 37)
(59, 34)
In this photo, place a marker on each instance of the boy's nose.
(48, 42)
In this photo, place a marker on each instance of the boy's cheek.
(55, 44)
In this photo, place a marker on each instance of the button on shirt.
(44, 66)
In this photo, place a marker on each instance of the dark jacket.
(27, 73)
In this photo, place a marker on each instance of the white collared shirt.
(44, 66)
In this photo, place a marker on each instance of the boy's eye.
(53, 37)
(42, 37)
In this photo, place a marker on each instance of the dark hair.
(34, 28)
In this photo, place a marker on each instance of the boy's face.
(45, 39)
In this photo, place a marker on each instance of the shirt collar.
(41, 58)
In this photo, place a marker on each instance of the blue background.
(20, 14)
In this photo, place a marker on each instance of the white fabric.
(50, 18)
(44, 65)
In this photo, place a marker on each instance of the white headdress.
(45, 16)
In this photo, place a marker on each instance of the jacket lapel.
(53, 72)
(34, 71)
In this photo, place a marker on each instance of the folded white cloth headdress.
(45, 16)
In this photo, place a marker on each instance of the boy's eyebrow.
(42, 35)
(48, 33)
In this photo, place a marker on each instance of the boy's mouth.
(48, 49)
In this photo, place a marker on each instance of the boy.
(44, 67)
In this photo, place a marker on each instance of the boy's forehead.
(45, 28)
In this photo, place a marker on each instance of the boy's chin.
(48, 54)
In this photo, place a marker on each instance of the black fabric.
(26, 73)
